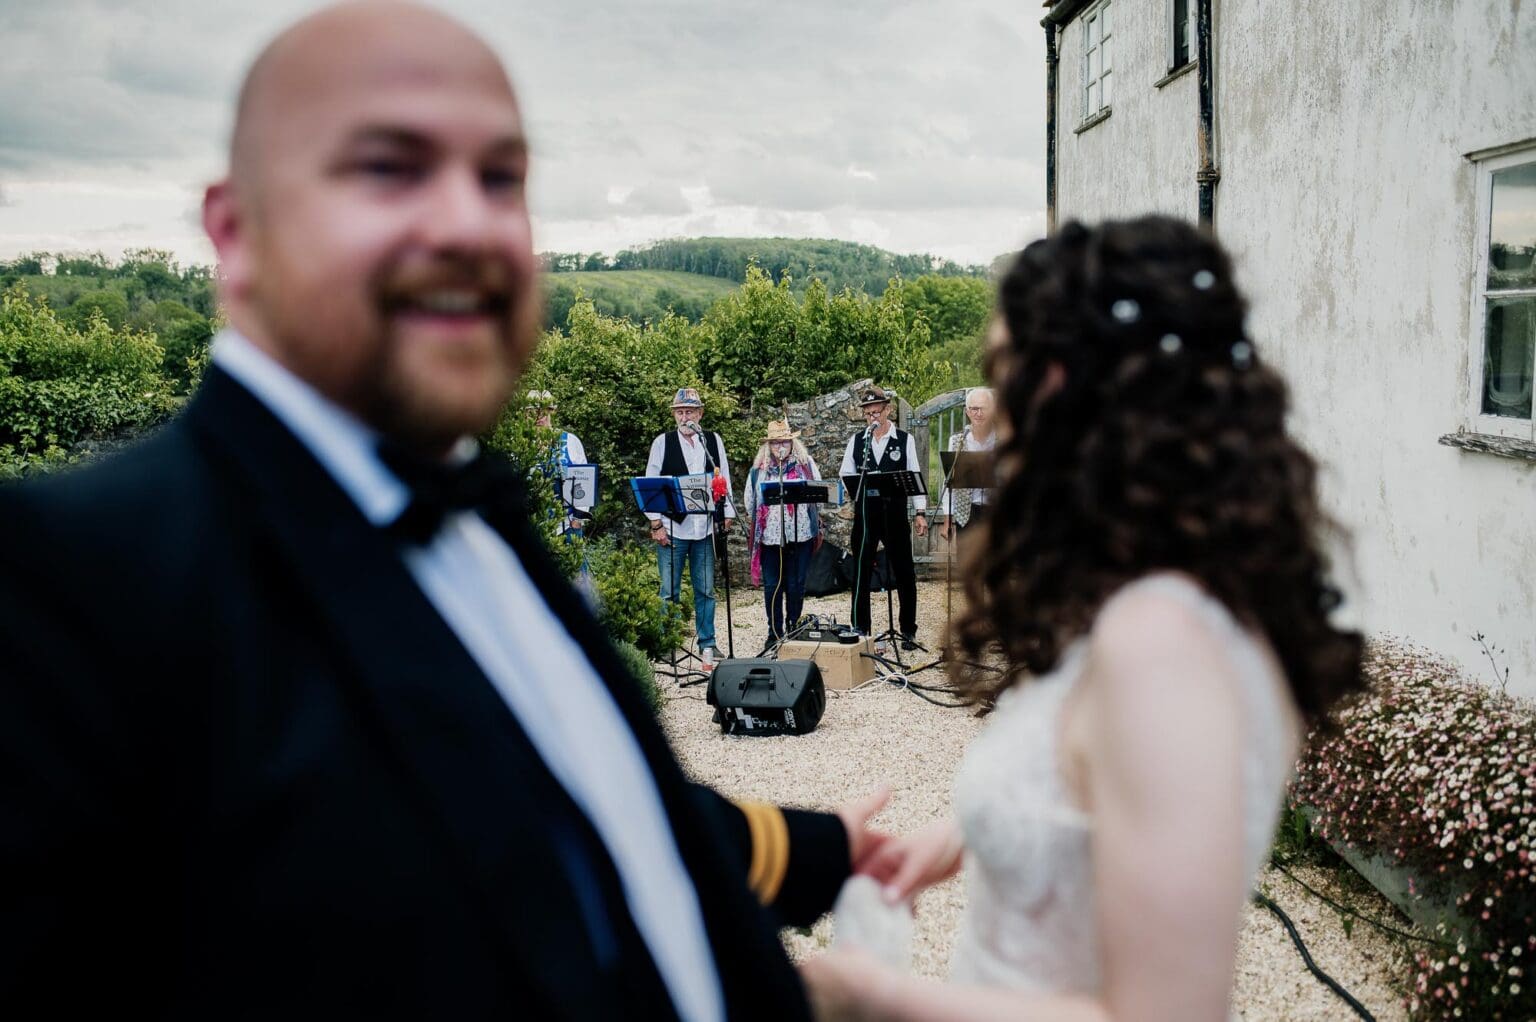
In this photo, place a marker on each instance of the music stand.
(966, 470)
(896, 485)
(578, 489)
(782, 493)
(969, 470)
(663, 495)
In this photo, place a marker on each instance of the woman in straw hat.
(783, 536)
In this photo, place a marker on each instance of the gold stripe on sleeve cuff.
(770, 849)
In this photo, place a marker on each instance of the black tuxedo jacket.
(247, 771)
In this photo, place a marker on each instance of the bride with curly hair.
(1152, 573)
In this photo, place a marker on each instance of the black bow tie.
(484, 483)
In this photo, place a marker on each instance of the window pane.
(1093, 30)
(1104, 18)
(1093, 99)
(1181, 32)
(1512, 229)
(1104, 56)
(1094, 65)
(1107, 100)
(1510, 340)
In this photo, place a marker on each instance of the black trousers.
(884, 523)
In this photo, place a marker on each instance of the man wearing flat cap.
(882, 520)
(690, 539)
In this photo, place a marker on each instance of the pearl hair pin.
(1242, 355)
(1203, 280)
(1171, 343)
(1125, 310)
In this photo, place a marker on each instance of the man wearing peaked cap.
(882, 520)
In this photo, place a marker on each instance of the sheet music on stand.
(578, 488)
(800, 491)
(696, 493)
(897, 485)
(969, 470)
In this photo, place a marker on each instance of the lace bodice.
(1030, 919)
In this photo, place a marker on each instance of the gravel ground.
(882, 733)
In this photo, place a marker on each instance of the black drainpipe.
(1208, 175)
(1050, 126)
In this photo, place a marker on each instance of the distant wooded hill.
(838, 264)
(637, 295)
(687, 275)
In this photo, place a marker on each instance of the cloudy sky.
(916, 125)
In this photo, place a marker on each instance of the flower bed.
(1434, 777)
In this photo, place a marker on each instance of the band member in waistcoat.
(690, 539)
(882, 520)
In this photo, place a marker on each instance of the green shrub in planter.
(1434, 777)
(639, 667)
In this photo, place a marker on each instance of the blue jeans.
(784, 593)
(699, 556)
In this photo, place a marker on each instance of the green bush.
(60, 386)
(638, 665)
(768, 346)
(629, 593)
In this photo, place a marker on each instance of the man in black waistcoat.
(297, 717)
(689, 540)
(882, 520)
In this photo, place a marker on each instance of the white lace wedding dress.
(1030, 918)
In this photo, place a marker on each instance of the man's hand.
(922, 525)
(864, 843)
(659, 534)
(945, 528)
(725, 524)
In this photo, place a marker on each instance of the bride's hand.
(904, 866)
(843, 985)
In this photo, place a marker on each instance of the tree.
(108, 304)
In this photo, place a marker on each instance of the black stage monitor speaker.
(767, 697)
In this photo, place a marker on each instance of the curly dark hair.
(1139, 431)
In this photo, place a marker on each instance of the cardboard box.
(842, 666)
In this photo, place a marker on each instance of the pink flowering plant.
(1436, 775)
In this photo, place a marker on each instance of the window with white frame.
(1096, 63)
(1504, 331)
(1181, 33)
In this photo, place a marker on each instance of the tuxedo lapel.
(472, 766)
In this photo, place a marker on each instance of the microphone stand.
(949, 559)
(709, 463)
(866, 459)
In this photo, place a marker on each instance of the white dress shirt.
(485, 596)
(695, 456)
(575, 453)
(946, 499)
(877, 448)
